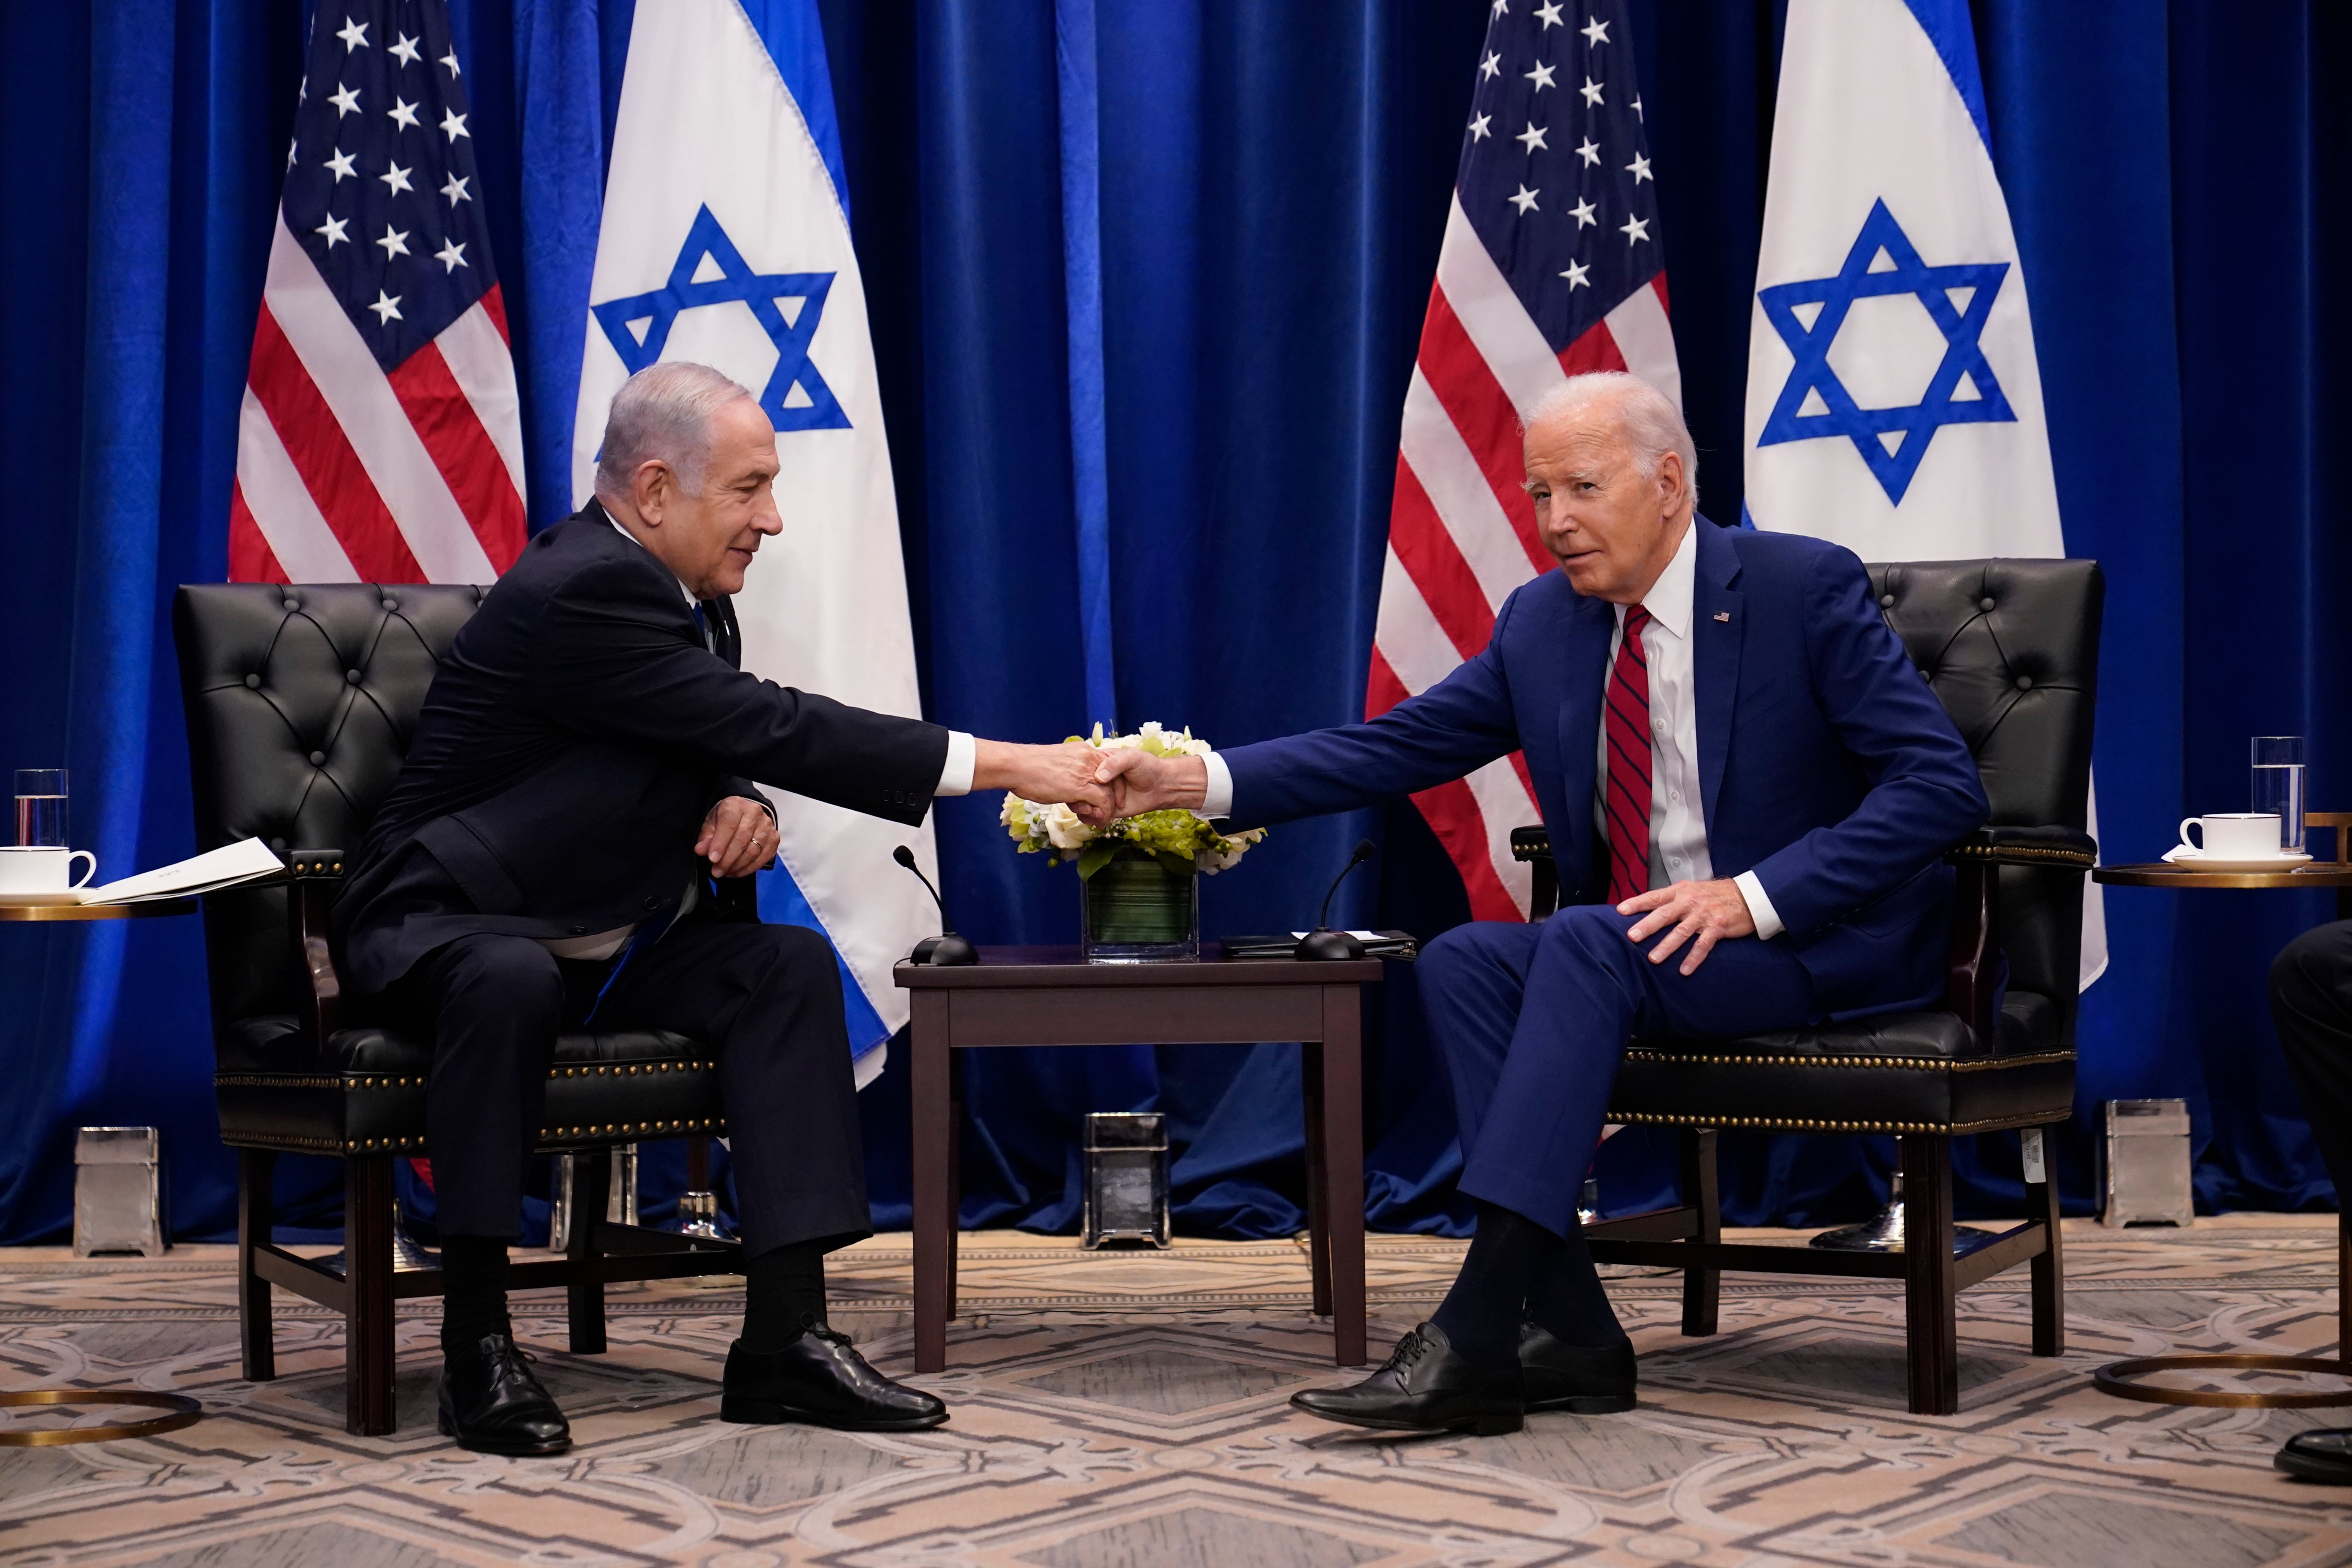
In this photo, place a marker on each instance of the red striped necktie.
(1626, 721)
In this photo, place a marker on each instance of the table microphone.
(1324, 945)
(946, 950)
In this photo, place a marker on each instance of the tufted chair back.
(300, 702)
(2012, 648)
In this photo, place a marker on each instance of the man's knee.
(2313, 973)
(797, 957)
(510, 972)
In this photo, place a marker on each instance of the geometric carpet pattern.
(1116, 1409)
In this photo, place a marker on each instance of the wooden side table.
(1049, 997)
(2116, 1378)
(182, 1411)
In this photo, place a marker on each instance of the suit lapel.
(729, 637)
(1718, 626)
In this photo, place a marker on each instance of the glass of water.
(2278, 785)
(41, 808)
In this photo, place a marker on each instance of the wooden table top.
(1041, 967)
(145, 909)
(2157, 874)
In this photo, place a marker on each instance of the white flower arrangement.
(1182, 841)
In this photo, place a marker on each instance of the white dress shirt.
(1678, 851)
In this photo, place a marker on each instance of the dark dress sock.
(1481, 1314)
(783, 1293)
(473, 1291)
(1567, 1299)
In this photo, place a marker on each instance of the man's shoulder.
(584, 552)
(1787, 557)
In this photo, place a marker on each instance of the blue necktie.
(702, 625)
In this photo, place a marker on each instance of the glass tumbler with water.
(2278, 785)
(41, 808)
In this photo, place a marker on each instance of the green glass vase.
(1134, 910)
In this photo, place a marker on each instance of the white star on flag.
(405, 51)
(1635, 228)
(1582, 213)
(1478, 131)
(452, 125)
(341, 165)
(1492, 66)
(1550, 13)
(451, 257)
(397, 180)
(1532, 136)
(346, 99)
(1542, 77)
(456, 190)
(1591, 91)
(1575, 276)
(450, 60)
(1639, 168)
(394, 242)
(403, 114)
(1596, 30)
(386, 308)
(1590, 152)
(333, 229)
(354, 35)
(1525, 201)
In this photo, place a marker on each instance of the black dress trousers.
(2311, 1002)
(765, 998)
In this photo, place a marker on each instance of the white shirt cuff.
(964, 755)
(1760, 907)
(1219, 801)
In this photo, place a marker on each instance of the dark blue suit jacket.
(1827, 766)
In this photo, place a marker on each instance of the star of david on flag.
(788, 306)
(1962, 391)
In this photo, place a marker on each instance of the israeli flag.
(725, 240)
(1893, 400)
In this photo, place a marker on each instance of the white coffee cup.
(42, 869)
(2234, 836)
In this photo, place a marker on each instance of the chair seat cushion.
(368, 1094)
(1896, 1072)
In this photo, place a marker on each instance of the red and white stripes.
(347, 474)
(1462, 532)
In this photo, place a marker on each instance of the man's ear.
(652, 484)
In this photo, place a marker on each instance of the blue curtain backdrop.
(1145, 283)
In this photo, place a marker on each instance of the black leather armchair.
(2012, 648)
(300, 702)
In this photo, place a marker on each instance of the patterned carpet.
(1116, 1409)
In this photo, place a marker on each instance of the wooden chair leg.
(1318, 1177)
(931, 1112)
(370, 1408)
(255, 1214)
(1702, 1288)
(2049, 1266)
(591, 1192)
(1931, 1283)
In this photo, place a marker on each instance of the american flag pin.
(1724, 616)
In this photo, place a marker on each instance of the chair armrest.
(738, 895)
(2060, 848)
(314, 875)
(1532, 846)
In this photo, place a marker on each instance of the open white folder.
(250, 861)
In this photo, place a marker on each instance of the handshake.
(1100, 786)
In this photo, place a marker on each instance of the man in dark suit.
(2311, 1002)
(1749, 789)
(588, 757)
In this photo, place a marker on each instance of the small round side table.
(2116, 1377)
(179, 1409)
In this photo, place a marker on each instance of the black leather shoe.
(1581, 1380)
(491, 1404)
(1425, 1388)
(2323, 1454)
(819, 1380)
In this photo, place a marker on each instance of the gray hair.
(664, 412)
(1653, 424)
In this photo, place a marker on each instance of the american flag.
(380, 439)
(1551, 266)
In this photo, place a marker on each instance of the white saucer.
(2194, 860)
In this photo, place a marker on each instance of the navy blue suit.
(1827, 767)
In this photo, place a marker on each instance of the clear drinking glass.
(41, 808)
(2278, 785)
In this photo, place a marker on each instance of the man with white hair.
(587, 758)
(1749, 789)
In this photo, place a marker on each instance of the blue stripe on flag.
(1945, 23)
(794, 35)
(782, 902)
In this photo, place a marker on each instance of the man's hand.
(1702, 914)
(1141, 782)
(738, 838)
(1046, 774)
